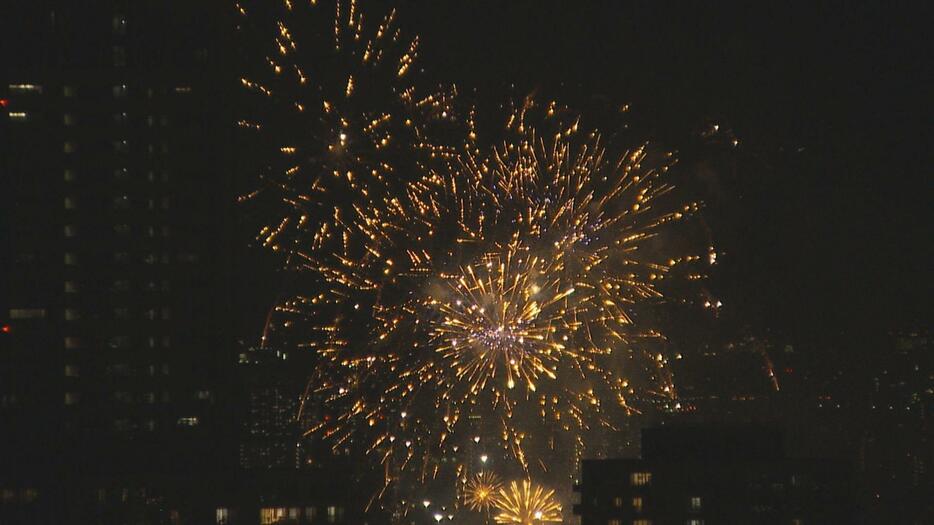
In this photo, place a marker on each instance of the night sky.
(823, 210)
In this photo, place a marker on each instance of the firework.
(524, 503)
(466, 298)
(482, 490)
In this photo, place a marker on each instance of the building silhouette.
(705, 475)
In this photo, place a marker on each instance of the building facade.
(712, 476)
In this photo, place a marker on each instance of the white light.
(484, 457)
(438, 517)
(343, 137)
(426, 503)
(538, 514)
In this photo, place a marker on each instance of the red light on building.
(4, 102)
(6, 329)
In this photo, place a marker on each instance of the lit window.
(69, 147)
(203, 395)
(71, 287)
(27, 313)
(71, 259)
(270, 515)
(68, 119)
(696, 503)
(695, 522)
(642, 522)
(638, 479)
(68, 91)
(222, 516)
(119, 91)
(637, 503)
(615, 522)
(71, 371)
(183, 89)
(797, 521)
(70, 175)
(72, 342)
(333, 513)
(71, 203)
(71, 398)
(72, 314)
(71, 230)
(19, 116)
(25, 88)
(617, 502)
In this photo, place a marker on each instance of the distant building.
(692, 475)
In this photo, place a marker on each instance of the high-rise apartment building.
(116, 199)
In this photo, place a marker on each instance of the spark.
(524, 503)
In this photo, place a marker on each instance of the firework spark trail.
(524, 503)
(482, 490)
(461, 292)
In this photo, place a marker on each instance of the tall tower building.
(115, 206)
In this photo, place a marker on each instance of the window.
(221, 516)
(617, 502)
(25, 88)
(72, 314)
(638, 479)
(615, 522)
(27, 313)
(183, 89)
(695, 522)
(71, 287)
(20, 116)
(121, 313)
(72, 342)
(797, 521)
(70, 203)
(121, 202)
(119, 91)
(71, 259)
(121, 257)
(270, 515)
(71, 398)
(71, 230)
(121, 146)
(118, 342)
(641, 522)
(121, 118)
(69, 147)
(696, 503)
(121, 229)
(120, 285)
(637, 504)
(68, 119)
(68, 91)
(119, 25)
(71, 371)
(119, 56)
(121, 173)
(70, 175)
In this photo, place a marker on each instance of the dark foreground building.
(712, 476)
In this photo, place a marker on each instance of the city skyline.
(145, 344)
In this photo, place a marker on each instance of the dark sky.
(824, 209)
